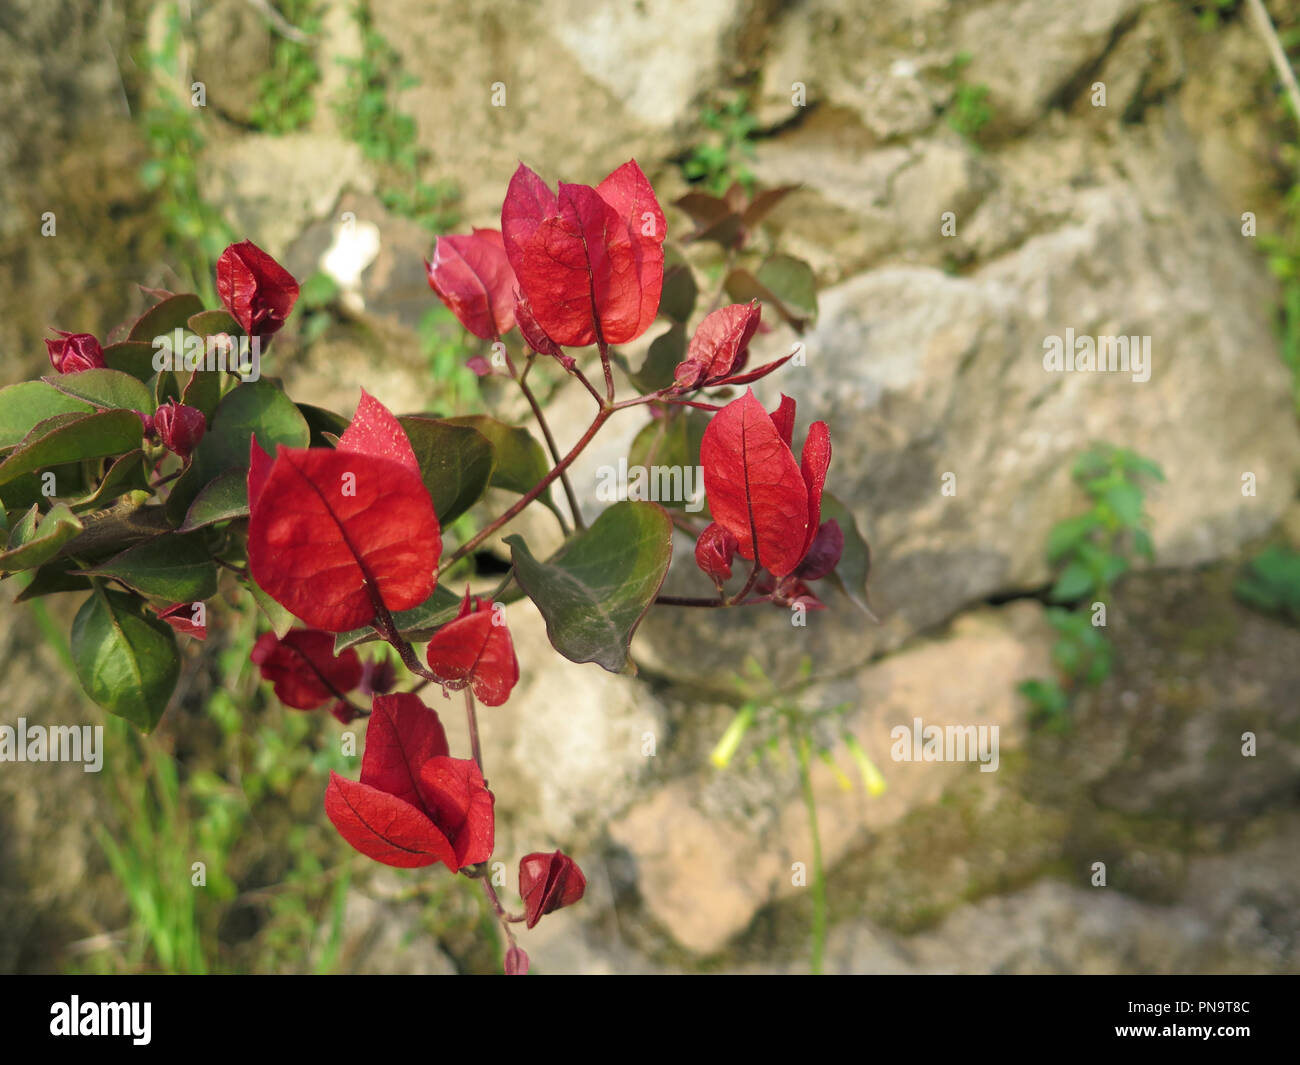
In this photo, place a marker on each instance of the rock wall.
(926, 359)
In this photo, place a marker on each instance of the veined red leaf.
(334, 534)
(813, 463)
(460, 804)
(402, 735)
(755, 489)
(385, 828)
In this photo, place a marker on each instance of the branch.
(1283, 66)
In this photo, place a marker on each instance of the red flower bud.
(74, 352)
(516, 962)
(714, 552)
(258, 292)
(179, 427)
(548, 882)
(378, 677)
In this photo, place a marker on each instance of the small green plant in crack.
(1093, 550)
(773, 724)
(284, 94)
(969, 110)
(721, 161)
(193, 229)
(1271, 582)
(387, 135)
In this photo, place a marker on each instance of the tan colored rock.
(703, 874)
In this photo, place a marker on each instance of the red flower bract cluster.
(334, 534)
(258, 292)
(413, 805)
(589, 261)
(756, 490)
(303, 668)
(475, 649)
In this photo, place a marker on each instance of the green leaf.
(134, 357)
(126, 474)
(1074, 582)
(109, 389)
(1125, 499)
(51, 579)
(594, 591)
(203, 390)
(162, 318)
(417, 624)
(34, 541)
(172, 567)
(212, 323)
(321, 421)
(854, 566)
(126, 660)
(520, 460)
(24, 406)
(679, 292)
(90, 436)
(784, 283)
(221, 499)
(666, 351)
(673, 441)
(22, 492)
(456, 463)
(1068, 534)
(252, 407)
(280, 618)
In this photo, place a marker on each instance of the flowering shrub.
(142, 470)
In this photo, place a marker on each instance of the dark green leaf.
(1075, 581)
(252, 407)
(594, 591)
(90, 436)
(134, 357)
(221, 499)
(854, 567)
(520, 460)
(321, 421)
(126, 474)
(172, 567)
(212, 323)
(108, 389)
(666, 351)
(126, 659)
(164, 317)
(51, 579)
(417, 624)
(679, 290)
(673, 442)
(24, 406)
(456, 463)
(35, 540)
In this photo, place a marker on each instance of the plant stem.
(471, 719)
(574, 509)
(602, 416)
(819, 877)
(609, 372)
